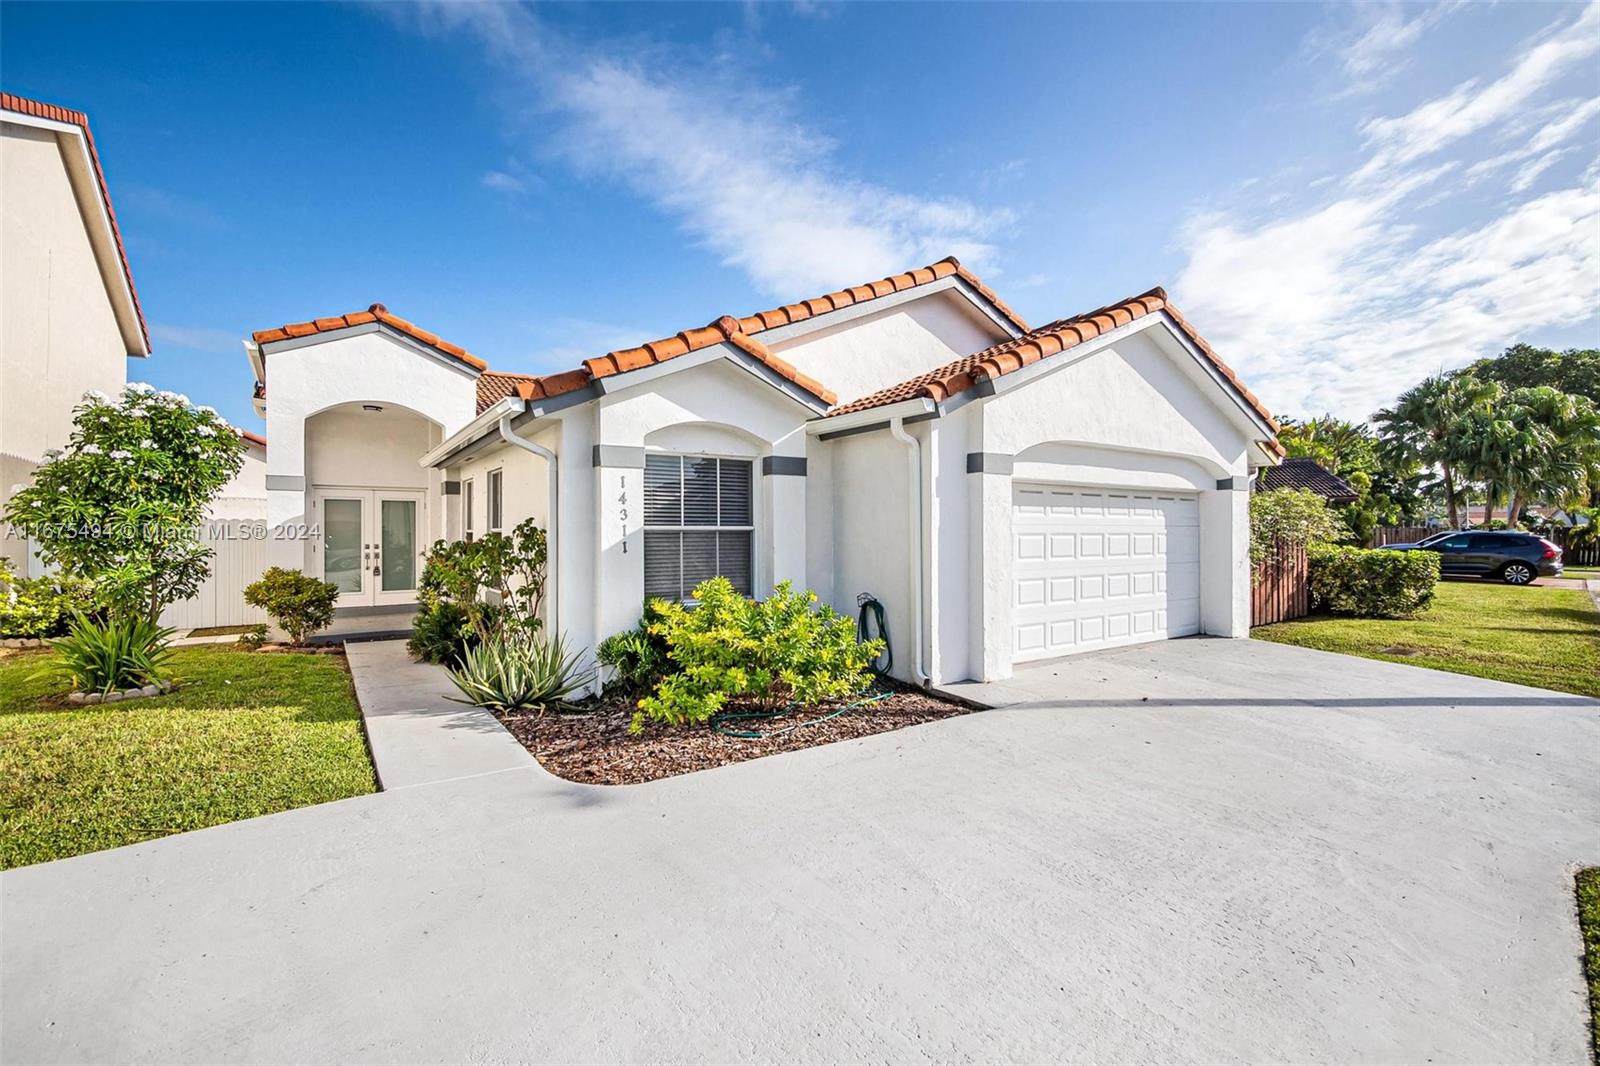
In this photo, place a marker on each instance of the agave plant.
(517, 670)
(126, 652)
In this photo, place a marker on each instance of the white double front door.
(370, 544)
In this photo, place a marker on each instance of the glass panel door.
(342, 559)
(398, 539)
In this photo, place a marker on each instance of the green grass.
(1546, 637)
(1581, 571)
(1589, 923)
(245, 734)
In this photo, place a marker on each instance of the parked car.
(1514, 557)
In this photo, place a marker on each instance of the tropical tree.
(1542, 444)
(1523, 366)
(121, 505)
(1432, 425)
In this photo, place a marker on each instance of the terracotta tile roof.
(833, 301)
(375, 313)
(21, 105)
(727, 328)
(494, 386)
(1307, 474)
(1009, 356)
(253, 438)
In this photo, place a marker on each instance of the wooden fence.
(1280, 589)
(1399, 535)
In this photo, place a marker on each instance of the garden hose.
(872, 611)
(721, 717)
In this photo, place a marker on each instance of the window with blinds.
(496, 498)
(698, 523)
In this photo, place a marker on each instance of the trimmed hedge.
(1370, 583)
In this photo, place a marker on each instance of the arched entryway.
(369, 502)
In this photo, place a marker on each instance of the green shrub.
(440, 632)
(41, 606)
(1371, 583)
(1289, 518)
(126, 652)
(498, 580)
(299, 604)
(254, 637)
(517, 670)
(637, 657)
(774, 651)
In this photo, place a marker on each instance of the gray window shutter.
(663, 490)
(735, 494)
(699, 559)
(662, 569)
(733, 560)
(699, 492)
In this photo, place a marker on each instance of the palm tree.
(1431, 425)
(1568, 429)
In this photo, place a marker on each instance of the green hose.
(721, 717)
(872, 611)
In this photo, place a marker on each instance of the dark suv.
(1513, 557)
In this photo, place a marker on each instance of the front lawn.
(1589, 924)
(1541, 636)
(247, 733)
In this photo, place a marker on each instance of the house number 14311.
(622, 510)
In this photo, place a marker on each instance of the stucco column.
(1225, 558)
(989, 530)
(290, 540)
(619, 489)
(783, 484)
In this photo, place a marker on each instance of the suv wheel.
(1517, 574)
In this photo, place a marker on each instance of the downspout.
(897, 430)
(552, 535)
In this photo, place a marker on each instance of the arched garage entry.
(1106, 548)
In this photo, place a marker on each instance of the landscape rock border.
(22, 642)
(160, 688)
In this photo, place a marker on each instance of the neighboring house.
(69, 313)
(244, 497)
(1307, 474)
(1008, 493)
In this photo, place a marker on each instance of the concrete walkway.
(1199, 850)
(418, 734)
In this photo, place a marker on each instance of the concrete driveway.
(1202, 850)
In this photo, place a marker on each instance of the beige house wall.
(58, 331)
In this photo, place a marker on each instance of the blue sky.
(1342, 198)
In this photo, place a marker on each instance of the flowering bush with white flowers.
(121, 505)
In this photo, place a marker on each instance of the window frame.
(752, 528)
(494, 499)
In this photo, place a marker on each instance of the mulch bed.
(591, 744)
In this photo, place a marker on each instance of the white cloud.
(734, 164)
(1375, 54)
(500, 181)
(1340, 305)
(1472, 107)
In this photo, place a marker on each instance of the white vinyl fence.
(240, 549)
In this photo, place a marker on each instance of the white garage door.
(1092, 568)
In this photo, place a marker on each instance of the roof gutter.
(552, 524)
(469, 433)
(897, 430)
(873, 418)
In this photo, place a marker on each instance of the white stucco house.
(1008, 493)
(69, 313)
